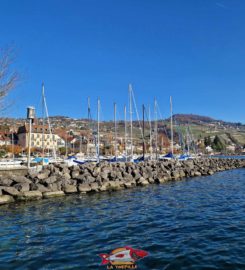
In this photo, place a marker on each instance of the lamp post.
(30, 117)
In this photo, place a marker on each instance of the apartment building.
(41, 137)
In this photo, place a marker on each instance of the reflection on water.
(193, 224)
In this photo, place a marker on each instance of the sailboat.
(45, 115)
(189, 141)
(80, 159)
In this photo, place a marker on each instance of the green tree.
(217, 144)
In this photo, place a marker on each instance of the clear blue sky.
(193, 50)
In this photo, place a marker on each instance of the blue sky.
(193, 50)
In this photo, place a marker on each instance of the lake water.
(197, 223)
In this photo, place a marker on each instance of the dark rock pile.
(58, 179)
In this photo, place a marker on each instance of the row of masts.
(153, 133)
(155, 136)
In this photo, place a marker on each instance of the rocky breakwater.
(58, 179)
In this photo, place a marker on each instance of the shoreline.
(59, 180)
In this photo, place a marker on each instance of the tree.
(217, 144)
(9, 77)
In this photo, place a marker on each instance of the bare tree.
(9, 77)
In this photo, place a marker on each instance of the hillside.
(202, 128)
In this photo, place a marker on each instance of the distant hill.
(193, 118)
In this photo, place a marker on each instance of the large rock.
(70, 189)
(43, 175)
(20, 179)
(84, 188)
(94, 187)
(175, 175)
(51, 194)
(89, 179)
(197, 174)
(104, 175)
(161, 180)
(65, 170)
(182, 173)
(10, 191)
(115, 185)
(4, 199)
(49, 180)
(79, 177)
(74, 174)
(6, 182)
(103, 187)
(32, 174)
(66, 176)
(128, 184)
(143, 182)
(55, 186)
(29, 195)
(39, 187)
(22, 186)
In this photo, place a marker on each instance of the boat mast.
(171, 125)
(125, 130)
(43, 122)
(115, 130)
(143, 109)
(150, 130)
(98, 130)
(156, 136)
(89, 122)
(131, 119)
(66, 154)
(50, 132)
(12, 144)
(188, 142)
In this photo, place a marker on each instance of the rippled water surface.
(194, 224)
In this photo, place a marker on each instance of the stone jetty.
(59, 179)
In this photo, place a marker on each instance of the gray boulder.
(10, 191)
(49, 180)
(39, 187)
(57, 186)
(84, 188)
(29, 195)
(70, 189)
(43, 175)
(4, 199)
(6, 182)
(22, 187)
(20, 179)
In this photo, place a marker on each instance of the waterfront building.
(41, 137)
